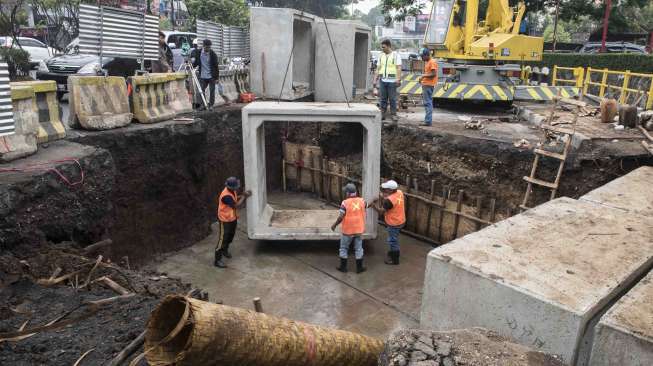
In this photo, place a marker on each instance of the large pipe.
(186, 331)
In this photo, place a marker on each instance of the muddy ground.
(105, 330)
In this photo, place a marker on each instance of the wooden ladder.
(549, 128)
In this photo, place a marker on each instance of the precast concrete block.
(180, 100)
(624, 335)
(541, 277)
(266, 223)
(351, 45)
(631, 192)
(50, 127)
(26, 125)
(98, 102)
(150, 100)
(282, 43)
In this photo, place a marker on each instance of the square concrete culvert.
(275, 35)
(304, 224)
(542, 277)
(351, 44)
(624, 336)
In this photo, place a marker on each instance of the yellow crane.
(478, 58)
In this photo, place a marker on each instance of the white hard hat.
(391, 184)
(195, 42)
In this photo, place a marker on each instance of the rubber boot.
(343, 265)
(393, 258)
(218, 260)
(384, 116)
(359, 266)
(388, 258)
(225, 251)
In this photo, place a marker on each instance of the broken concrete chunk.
(475, 346)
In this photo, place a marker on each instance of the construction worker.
(228, 204)
(393, 210)
(428, 81)
(388, 79)
(352, 216)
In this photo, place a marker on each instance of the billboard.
(416, 25)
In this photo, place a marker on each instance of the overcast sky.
(366, 5)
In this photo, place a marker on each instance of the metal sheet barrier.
(112, 32)
(212, 31)
(7, 126)
(227, 41)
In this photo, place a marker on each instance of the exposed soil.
(107, 331)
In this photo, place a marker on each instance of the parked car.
(37, 50)
(613, 47)
(176, 41)
(58, 68)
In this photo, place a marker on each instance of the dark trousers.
(211, 84)
(226, 236)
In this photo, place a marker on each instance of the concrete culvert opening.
(361, 51)
(303, 54)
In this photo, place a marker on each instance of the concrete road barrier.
(229, 89)
(98, 102)
(150, 100)
(23, 142)
(178, 95)
(50, 126)
(542, 277)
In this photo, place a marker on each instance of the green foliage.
(561, 33)
(620, 15)
(17, 61)
(323, 8)
(613, 61)
(165, 24)
(227, 12)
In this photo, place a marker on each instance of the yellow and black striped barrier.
(150, 101)
(50, 126)
(544, 93)
(410, 85)
(477, 92)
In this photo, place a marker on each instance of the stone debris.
(474, 346)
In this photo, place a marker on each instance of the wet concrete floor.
(298, 280)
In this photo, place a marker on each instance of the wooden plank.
(459, 206)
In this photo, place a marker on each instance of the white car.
(37, 50)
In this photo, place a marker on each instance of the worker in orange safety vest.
(228, 204)
(393, 209)
(352, 216)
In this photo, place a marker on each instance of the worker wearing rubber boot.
(392, 208)
(388, 79)
(428, 80)
(228, 204)
(352, 216)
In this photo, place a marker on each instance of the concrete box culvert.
(541, 277)
(275, 35)
(316, 222)
(351, 45)
(624, 335)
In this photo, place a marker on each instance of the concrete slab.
(300, 281)
(624, 336)
(539, 277)
(351, 41)
(292, 33)
(260, 213)
(631, 192)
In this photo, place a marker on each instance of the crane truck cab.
(479, 59)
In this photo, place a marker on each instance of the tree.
(621, 16)
(12, 16)
(561, 33)
(332, 9)
(60, 18)
(370, 17)
(227, 12)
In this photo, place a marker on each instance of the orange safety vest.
(226, 213)
(396, 216)
(354, 221)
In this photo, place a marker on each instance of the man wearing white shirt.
(388, 78)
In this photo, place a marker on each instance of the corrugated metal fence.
(6, 112)
(113, 32)
(227, 41)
